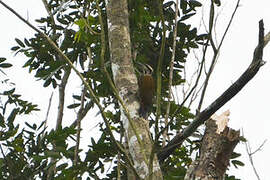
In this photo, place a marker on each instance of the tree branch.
(165, 133)
(61, 103)
(78, 134)
(215, 50)
(248, 149)
(236, 87)
(160, 61)
(47, 114)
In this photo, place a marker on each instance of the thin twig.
(259, 148)
(159, 64)
(227, 95)
(158, 84)
(248, 150)
(216, 52)
(46, 5)
(165, 133)
(78, 134)
(48, 111)
(190, 92)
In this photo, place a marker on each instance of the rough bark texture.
(216, 149)
(126, 83)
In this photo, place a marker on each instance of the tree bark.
(216, 149)
(137, 131)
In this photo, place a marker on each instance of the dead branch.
(216, 51)
(235, 88)
(216, 149)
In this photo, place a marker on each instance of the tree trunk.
(136, 128)
(216, 149)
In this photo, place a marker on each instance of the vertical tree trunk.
(136, 129)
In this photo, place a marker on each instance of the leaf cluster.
(75, 28)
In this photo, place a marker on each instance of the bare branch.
(248, 150)
(236, 87)
(79, 118)
(259, 148)
(61, 103)
(48, 111)
(190, 92)
(215, 50)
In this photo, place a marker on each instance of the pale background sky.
(249, 109)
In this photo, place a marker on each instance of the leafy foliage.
(74, 26)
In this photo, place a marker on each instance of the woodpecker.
(146, 90)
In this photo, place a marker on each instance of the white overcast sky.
(249, 109)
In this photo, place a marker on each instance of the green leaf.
(12, 115)
(15, 48)
(237, 163)
(231, 178)
(41, 20)
(27, 42)
(59, 27)
(183, 5)
(80, 23)
(42, 73)
(41, 125)
(47, 82)
(19, 42)
(187, 16)
(168, 4)
(77, 97)
(34, 126)
(38, 157)
(69, 18)
(194, 3)
(29, 62)
(62, 21)
(2, 59)
(72, 106)
(9, 92)
(52, 154)
(202, 37)
(217, 2)
(235, 155)
(62, 167)
(242, 138)
(5, 65)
